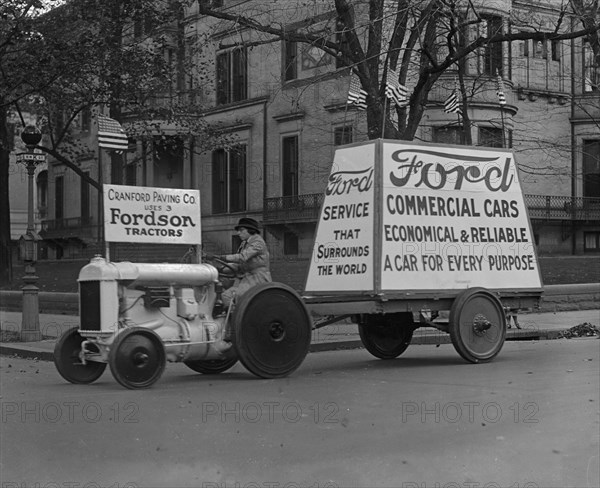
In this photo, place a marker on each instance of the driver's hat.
(248, 224)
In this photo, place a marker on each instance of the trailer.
(410, 232)
(407, 233)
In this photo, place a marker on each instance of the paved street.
(528, 419)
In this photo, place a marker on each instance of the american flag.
(452, 103)
(356, 95)
(394, 90)
(500, 92)
(110, 134)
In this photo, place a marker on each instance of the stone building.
(283, 104)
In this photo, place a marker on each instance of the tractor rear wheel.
(272, 330)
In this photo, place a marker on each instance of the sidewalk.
(341, 335)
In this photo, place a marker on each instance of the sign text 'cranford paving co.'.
(151, 215)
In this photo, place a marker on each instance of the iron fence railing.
(305, 208)
(69, 227)
(292, 208)
(541, 207)
(549, 207)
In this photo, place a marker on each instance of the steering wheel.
(233, 272)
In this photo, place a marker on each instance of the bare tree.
(422, 39)
(124, 55)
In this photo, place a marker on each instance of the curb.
(26, 352)
(564, 297)
(433, 339)
(31, 352)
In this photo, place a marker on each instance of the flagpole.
(104, 243)
(101, 239)
(500, 88)
(503, 131)
(346, 109)
(383, 118)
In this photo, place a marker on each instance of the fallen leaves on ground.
(582, 330)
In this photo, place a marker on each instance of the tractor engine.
(176, 301)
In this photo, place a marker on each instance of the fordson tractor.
(137, 316)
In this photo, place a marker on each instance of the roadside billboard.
(151, 215)
(343, 252)
(443, 218)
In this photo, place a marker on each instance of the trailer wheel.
(68, 361)
(272, 330)
(477, 325)
(211, 366)
(386, 336)
(137, 358)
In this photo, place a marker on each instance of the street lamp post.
(30, 329)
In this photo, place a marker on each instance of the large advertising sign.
(421, 217)
(454, 218)
(151, 215)
(342, 257)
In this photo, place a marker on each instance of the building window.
(556, 50)
(591, 70)
(540, 50)
(306, 57)
(229, 180)
(290, 156)
(591, 168)
(168, 161)
(342, 135)
(85, 200)
(232, 76)
(591, 241)
(290, 60)
(449, 135)
(143, 24)
(116, 169)
(490, 137)
(59, 196)
(524, 47)
(131, 174)
(290, 244)
(492, 60)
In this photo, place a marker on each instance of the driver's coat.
(252, 261)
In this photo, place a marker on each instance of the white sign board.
(411, 217)
(151, 215)
(343, 252)
(35, 157)
(454, 218)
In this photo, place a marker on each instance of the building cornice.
(230, 107)
(289, 117)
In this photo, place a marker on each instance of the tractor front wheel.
(137, 358)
